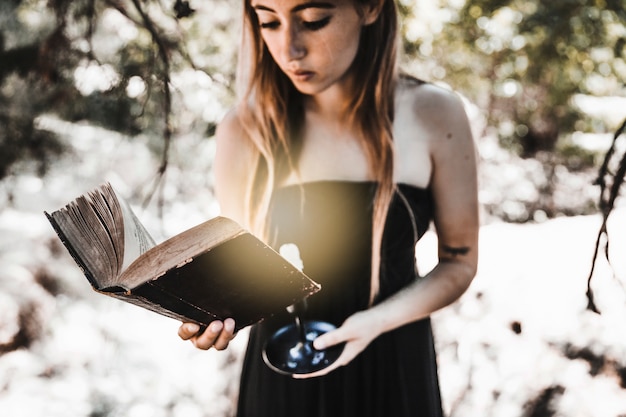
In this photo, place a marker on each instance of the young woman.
(332, 150)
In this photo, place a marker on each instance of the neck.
(332, 104)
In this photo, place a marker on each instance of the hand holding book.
(217, 335)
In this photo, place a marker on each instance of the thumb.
(334, 337)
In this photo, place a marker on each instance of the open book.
(212, 271)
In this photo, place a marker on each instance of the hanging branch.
(91, 28)
(181, 9)
(608, 195)
(167, 103)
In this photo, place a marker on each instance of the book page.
(137, 240)
(102, 234)
(91, 229)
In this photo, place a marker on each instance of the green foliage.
(523, 61)
(576, 158)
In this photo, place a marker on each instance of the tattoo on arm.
(463, 250)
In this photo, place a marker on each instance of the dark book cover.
(240, 278)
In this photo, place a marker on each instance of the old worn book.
(212, 271)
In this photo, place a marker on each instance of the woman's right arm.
(232, 164)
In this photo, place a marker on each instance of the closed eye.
(269, 25)
(316, 24)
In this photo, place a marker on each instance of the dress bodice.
(331, 224)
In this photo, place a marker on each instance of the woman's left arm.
(455, 191)
(454, 184)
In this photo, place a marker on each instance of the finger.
(188, 330)
(332, 338)
(343, 359)
(318, 373)
(350, 351)
(210, 335)
(226, 335)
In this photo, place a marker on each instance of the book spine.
(72, 251)
(156, 299)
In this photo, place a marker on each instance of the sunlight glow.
(135, 87)
(91, 77)
(509, 88)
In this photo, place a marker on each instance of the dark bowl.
(286, 354)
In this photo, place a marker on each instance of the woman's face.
(313, 42)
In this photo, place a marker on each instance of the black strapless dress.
(396, 375)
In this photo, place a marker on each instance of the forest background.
(130, 91)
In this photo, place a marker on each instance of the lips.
(301, 75)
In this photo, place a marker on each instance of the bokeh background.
(130, 91)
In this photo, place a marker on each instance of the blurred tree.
(107, 62)
(525, 61)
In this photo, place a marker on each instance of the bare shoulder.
(436, 110)
(232, 139)
(438, 117)
(430, 127)
(230, 130)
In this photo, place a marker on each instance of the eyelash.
(313, 26)
(317, 24)
(270, 25)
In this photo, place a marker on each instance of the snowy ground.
(519, 343)
(522, 331)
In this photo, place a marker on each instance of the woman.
(332, 150)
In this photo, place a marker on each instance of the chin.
(309, 88)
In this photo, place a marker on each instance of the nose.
(294, 47)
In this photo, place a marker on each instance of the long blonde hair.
(272, 115)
